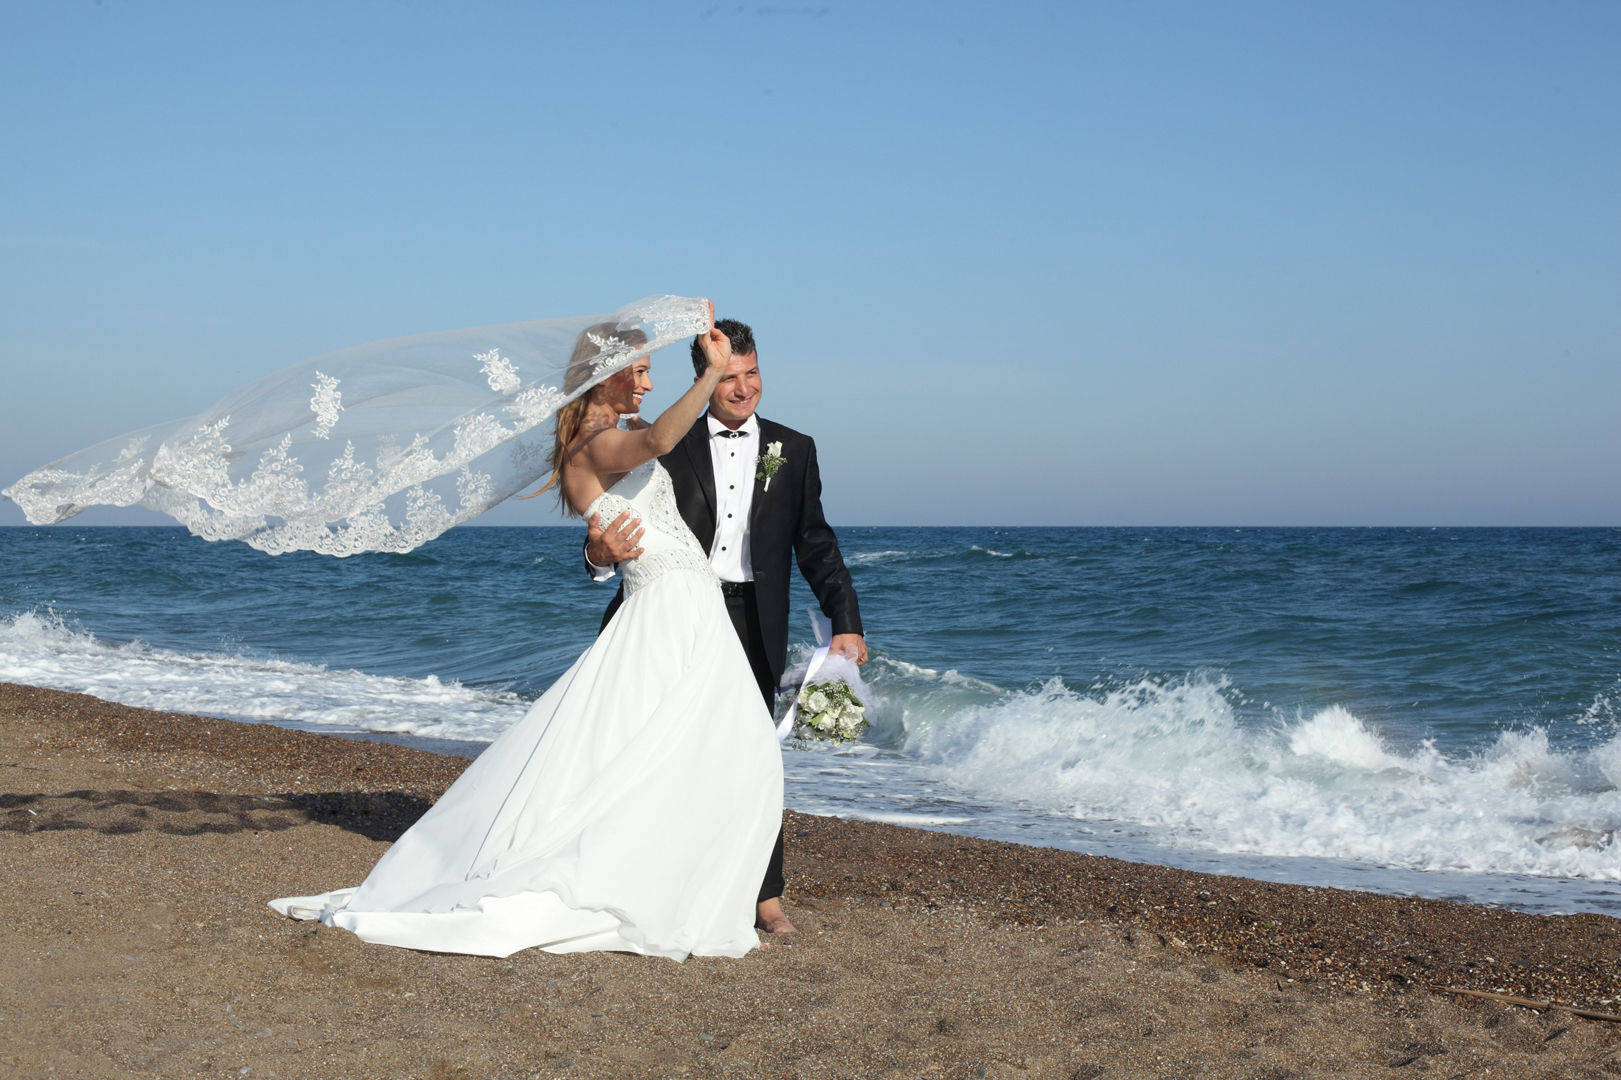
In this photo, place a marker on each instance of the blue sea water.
(1423, 711)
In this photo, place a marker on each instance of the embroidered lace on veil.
(380, 447)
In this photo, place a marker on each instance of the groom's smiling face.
(738, 394)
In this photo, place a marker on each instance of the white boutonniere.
(768, 463)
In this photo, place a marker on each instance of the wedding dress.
(633, 808)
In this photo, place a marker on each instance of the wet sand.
(139, 849)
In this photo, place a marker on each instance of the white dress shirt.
(735, 463)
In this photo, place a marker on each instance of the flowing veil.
(379, 447)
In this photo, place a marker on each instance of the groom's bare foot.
(768, 916)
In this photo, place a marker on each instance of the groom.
(749, 489)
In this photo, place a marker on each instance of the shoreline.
(1447, 886)
(206, 815)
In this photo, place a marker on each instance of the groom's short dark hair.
(740, 334)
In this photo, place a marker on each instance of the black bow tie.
(726, 434)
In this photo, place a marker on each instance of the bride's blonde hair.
(572, 415)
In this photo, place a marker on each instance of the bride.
(635, 806)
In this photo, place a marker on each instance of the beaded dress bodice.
(667, 544)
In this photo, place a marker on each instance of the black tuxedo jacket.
(786, 525)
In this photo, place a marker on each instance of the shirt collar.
(749, 427)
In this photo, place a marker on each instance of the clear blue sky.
(1057, 263)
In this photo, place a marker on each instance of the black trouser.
(745, 613)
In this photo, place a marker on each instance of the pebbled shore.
(139, 850)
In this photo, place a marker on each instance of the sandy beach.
(140, 848)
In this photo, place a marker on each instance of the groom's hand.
(852, 645)
(619, 542)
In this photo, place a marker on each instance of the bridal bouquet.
(829, 707)
(831, 710)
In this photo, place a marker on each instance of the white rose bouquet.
(829, 706)
(830, 710)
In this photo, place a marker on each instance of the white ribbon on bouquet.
(835, 665)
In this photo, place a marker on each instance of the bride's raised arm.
(605, 451)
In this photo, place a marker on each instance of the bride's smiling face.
(624, 389)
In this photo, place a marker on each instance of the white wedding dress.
(633, 808)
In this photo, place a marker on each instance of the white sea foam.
(1604, 710)
(906, 668)
(916, 821)
(870, 558)
(1163, 766)
(1173, 759)
(42, 649)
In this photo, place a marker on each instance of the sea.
(1427, 712)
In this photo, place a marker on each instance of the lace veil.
(380, 447)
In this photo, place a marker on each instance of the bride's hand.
(716, 345)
